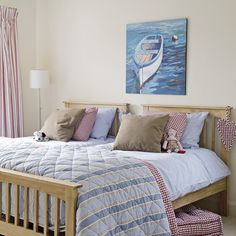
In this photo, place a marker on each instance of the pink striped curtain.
(11, 112)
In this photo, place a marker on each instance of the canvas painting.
(156, 57)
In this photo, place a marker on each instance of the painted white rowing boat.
(148, 57)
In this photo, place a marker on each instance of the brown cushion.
(141, 133)
(61, 124)
(115, 125)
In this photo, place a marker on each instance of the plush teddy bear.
(40, 136)
(171, 143)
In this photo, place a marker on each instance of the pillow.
(86, 125)
(177, 121)
(104, 119)
(122, 114)
(60, 125)
(140, 133)
(115, 125)
(195, 123)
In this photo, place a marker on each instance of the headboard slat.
(213, 134)
(123, 107)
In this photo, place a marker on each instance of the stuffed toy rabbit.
(171, 143)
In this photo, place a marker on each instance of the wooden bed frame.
(69, 192)
(209, 139)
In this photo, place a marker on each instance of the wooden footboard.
(59, 190)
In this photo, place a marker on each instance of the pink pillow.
(177, 121)
(86, 125)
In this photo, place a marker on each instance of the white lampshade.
(39, 79)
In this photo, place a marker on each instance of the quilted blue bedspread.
(119, 195)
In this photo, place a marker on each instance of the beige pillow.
(141, 133)
(61, 124)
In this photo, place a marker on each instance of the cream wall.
(84, 47)
(27, 56)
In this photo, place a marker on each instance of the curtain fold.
(11, 112)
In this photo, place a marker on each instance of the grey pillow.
(61, 124)
(141, 133)
(192, 133)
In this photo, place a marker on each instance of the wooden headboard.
(209, 137)
(121, 107)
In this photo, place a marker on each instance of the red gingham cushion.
(192, 221)
(178, 122)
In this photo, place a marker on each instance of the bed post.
(71, 198)
(223, 203)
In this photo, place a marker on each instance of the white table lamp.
(39, 79)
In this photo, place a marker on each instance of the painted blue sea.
(170, 76)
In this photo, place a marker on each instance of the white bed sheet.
(185, 173)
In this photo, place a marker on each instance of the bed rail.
(57, 189)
